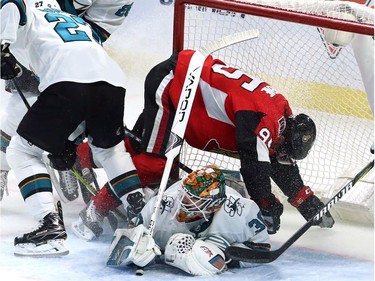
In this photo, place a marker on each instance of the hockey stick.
(15, 84)
(252, 256)
(185, 103)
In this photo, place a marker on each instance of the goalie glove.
(133, 245)
(9, 66)
(197, 257)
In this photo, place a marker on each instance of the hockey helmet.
(300, 135)
(202, 193)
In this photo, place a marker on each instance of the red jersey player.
(237, 115)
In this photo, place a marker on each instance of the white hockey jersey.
(108, 14)
(56, 46)
(239, 220)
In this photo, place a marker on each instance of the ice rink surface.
(342, 253)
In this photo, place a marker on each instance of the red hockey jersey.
(223, 94)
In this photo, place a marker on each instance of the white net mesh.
(317, 78)
(320, 7)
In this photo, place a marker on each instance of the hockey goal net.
(317, 78)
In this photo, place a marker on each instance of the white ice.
(342, 253)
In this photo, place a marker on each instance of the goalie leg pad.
(133, 245)
(196, 257)
(122, 247)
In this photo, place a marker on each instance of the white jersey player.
(199, 217)
(77, 80)
(104, 17)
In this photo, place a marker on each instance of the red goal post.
(318, 78)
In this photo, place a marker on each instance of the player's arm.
(256, 173)
(68, 6)
(300, 196)
(255, 166)
(104, 18)
(12, 15)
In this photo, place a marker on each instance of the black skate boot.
(46, 240)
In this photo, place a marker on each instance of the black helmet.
(300, 135)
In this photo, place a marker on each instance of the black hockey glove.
(64, 161)
(271, 210)
(9, 66)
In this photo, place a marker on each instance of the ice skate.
(68, 185)
(88, 174)
(3, 183)
(65, 184)
(89, 225)
(46, 240)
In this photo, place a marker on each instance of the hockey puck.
(139, 271)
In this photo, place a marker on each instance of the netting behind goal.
(317, 78)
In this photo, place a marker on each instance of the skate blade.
(53, 248)
(82, 231)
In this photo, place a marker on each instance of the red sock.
(105, 202)
(84, 156)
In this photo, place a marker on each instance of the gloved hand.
(9, 66)
(134, 245)
(64, 161)
(271, 210)
(146, 250)
(309, 205)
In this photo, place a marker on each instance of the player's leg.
(105, 134)
(11, 117)
(36, 189)
(158, 113)
(45, 127)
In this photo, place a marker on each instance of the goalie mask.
(299, 136)
(202, 193)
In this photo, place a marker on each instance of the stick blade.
(251, 256)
